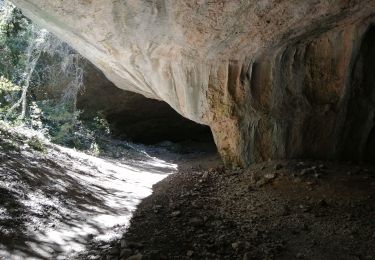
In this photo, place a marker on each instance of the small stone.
(189, 253)
(299, 255)
(135, 257)
(205, 175)
(238, 245)
(194, 204)
(304, 208)
(235, 245)
(196, 221)
(261, 182)
(176, 213)
(157, 208)
(270, 176)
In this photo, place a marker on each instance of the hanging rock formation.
(272, 78)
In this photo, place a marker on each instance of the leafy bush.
(36, 144)
(15, 32)
(9, 93)
(62, 124)
(51, 75)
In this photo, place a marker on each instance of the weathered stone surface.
(273, 79)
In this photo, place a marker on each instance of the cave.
(149, 122)
(359, 136)
(269, 86)
(269, 110)
(368, 52)
(133, 117)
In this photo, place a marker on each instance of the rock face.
(273, 79)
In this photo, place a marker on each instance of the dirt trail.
(54, 202)
(62, 204)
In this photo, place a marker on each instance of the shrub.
(36, 144)
(9, 93)
(51, 75)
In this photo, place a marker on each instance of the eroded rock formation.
(273, 79)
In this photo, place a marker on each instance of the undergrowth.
(40, 78)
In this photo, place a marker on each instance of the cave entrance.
(150, 121)
(359, 141)
(368, 49)
(133, 117)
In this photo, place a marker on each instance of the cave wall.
(298, 100)
(273, 79)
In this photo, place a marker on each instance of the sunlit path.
(66, 198)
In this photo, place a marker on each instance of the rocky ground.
(275, 210)
(55, 202)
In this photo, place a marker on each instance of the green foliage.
(15, 32)
(36, 144)
(9, 93)
(62, 124)
(99, 124)
(6, 86)
(51, 75)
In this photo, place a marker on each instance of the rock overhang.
(267, 76)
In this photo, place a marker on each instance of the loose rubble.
(259, 213)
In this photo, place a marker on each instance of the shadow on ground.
(274, 210)
(53, 203)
